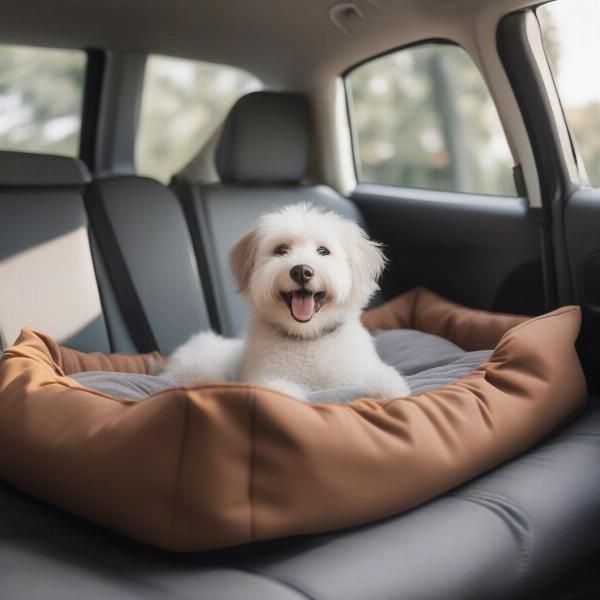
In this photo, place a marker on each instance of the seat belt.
(129, 302)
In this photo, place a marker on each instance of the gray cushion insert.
(133, 386)
(426, 360)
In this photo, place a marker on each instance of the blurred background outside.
(421, 117)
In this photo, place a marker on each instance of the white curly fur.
(332, 349)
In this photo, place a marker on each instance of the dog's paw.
(390, 384)
(286, 387)
(399, 390)
(205, 356)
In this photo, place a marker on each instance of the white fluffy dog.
(306, 275)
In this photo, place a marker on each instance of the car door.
(436, 183)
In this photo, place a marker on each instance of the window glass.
(423, 117)
(183, 102)
(41, 92)
(570, 34)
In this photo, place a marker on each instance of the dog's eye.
(281, 250)
(323, 251)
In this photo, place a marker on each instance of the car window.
(423, 117)
(183, 102)
(41, 96)
(572, 45)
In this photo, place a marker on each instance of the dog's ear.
(242, 258)
(366, 258)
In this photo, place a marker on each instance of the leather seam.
(530, 322)
(484, 500)
(251, 460)
(413, 310)
(281, 582)
(177, 481)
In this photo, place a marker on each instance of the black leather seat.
(504, 535)
(149, 231)
(262, 160)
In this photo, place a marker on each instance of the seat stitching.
(558, 313)
(523, 530)
(413, 310)
(176, 482)
(280, 581)
(252, 414)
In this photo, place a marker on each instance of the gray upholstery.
(503, 535)
(24, 168)
(265, 139)
(150, 228)
(262, 158)
(47, 277)
(132, 386)
(500, 536)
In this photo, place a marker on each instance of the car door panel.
(582, 235)
(483, 251)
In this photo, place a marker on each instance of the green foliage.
(423, 117)
(40, 99)
(584, 123)
(183, 103)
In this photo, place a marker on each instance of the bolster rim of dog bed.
(219, 465)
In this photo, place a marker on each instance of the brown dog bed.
(224, 464)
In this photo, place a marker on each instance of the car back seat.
(262, 160)
(47, 277)
(145, 244)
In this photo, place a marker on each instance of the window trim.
(574, 162)
(534, 96)
(422, 42)
(95, 69)
(348, 95)
(524, 68)
(354, 137)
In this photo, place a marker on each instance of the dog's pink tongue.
(303, 306)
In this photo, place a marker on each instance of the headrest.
(23, 168)
(265, 139)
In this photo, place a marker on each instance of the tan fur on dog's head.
(344, 262)
(241, 259)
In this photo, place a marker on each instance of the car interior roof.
(309, 44)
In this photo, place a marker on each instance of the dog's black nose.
(301, 274)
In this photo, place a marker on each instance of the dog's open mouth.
(303, 303)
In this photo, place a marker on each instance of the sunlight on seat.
(50, 287)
